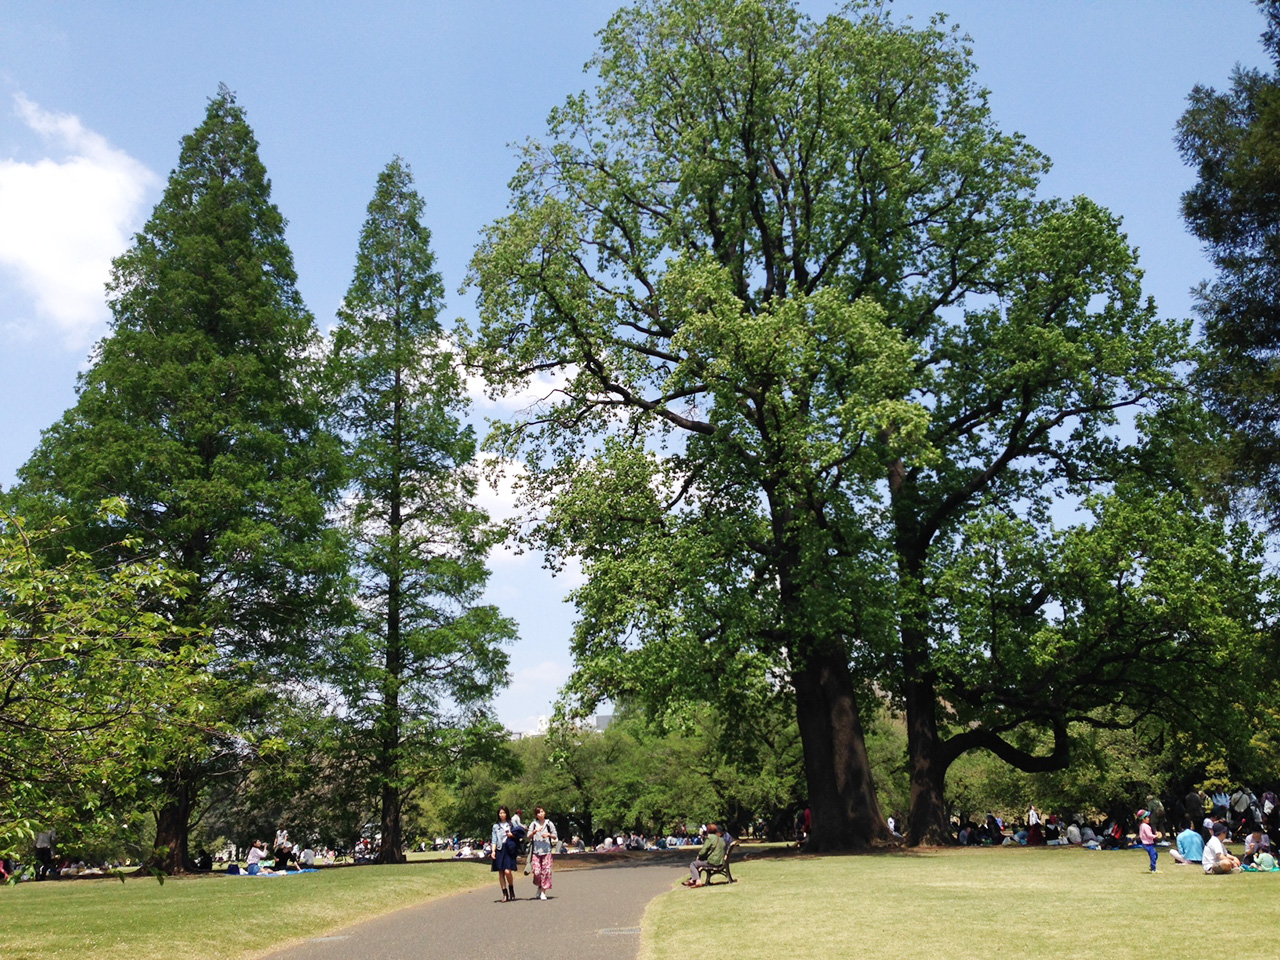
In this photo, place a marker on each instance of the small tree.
(424, 656)
(93, 681)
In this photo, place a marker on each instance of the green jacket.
(712, 850)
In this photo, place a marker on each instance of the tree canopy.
(805, 327)
(1229, 137)
(94, 682)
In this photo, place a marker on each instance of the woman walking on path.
(542, 841)
(504, 855)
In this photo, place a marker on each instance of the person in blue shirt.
(1190, 845)
(1221, 803)
(503, 837)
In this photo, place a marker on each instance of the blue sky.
(94, 99)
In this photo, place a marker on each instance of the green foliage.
(200, 409)
(474, 793)
(291, 771)
(822, 357)
(96, 684)
(424, 656)
(638, 775)
(1145, 599)
(1115, 768)
(201, 412)
(890, 762)
(1229, 137)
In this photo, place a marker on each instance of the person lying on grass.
(710, 854)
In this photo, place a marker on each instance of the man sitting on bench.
(710, 854)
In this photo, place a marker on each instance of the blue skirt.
(505, 860)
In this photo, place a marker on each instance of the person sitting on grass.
(1255, 843)
(1190, 845)
(994, 829)
(1113, 837)
(282, 855)
(710, 854)
(1215, 858)
(253, 860)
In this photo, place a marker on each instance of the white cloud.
(62, 220)
(499, 496)
(541, 675)
(542, 388)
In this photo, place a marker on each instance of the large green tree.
(805, 317)
(426, 655)
(201, 412)
(1230, 138)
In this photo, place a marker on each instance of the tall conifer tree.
(1229, 136)
(201, 412)
(424, 656)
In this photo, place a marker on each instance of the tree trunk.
(931, 757)
(389, 761)
(171, 853)
(842, 796)
(927, 820)
(392, 848)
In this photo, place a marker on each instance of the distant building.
(599, 723)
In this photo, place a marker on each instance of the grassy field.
(213, 916)
(975, 904)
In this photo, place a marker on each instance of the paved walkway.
(591, 913)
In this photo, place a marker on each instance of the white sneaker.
(542, 894)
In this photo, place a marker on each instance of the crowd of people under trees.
(283, 855)
(1204, 822)
(1196, 827)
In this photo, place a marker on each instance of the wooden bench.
(723, 869)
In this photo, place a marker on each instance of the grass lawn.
(975, 904)
(212, 916)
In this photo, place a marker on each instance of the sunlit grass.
(975, 904)
(213, 916)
